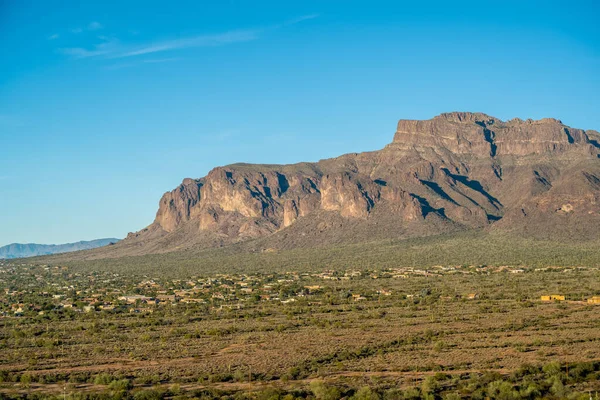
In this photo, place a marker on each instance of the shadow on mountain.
(474, 185)
(438, 190)
(427, 208)
(283, 183)
(493, 218)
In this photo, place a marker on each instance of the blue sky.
(106, 105)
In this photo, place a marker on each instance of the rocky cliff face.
(456, 171)
(481, 135)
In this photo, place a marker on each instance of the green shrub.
(120, 385)
(552, 369)
(103, 379)
(365, 393)
(149, 394)
(452, 396)
(324, 392)
(502, 390)
(412, 394)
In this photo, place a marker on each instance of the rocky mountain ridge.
(456, 171)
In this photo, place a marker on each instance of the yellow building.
(551, 297)
(594, 300)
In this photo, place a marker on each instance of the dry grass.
(392, 338)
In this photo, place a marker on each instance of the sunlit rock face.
(458, 170)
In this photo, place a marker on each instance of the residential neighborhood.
(31, 289)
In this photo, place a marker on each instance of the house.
(594, 300)
(166, 298)
(189, 300)
(134, 298)
(556, 297)
(141, 311)
(313, 288)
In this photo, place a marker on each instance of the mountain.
(19, 250)
(456, 172)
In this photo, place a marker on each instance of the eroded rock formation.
(458, 171)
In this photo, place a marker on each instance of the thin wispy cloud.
(105, 48)
(116, 67)
(302, 18)
(196, 41)
(112, 49)
(94, 26)
(134, 64)
(53, 37)
(161, 60)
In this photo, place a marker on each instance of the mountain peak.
(479, 117)
(482, 135)
(465, 117)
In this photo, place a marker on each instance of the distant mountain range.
(20, 250)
